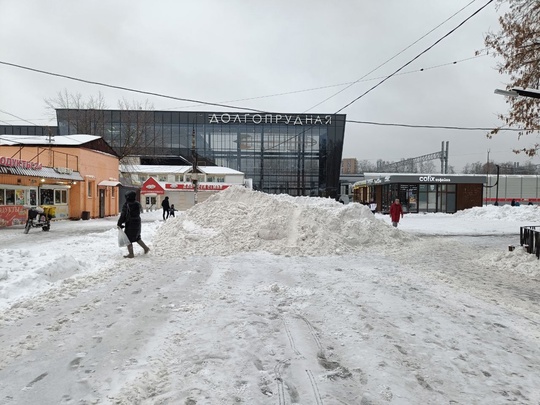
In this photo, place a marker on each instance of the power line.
(223, 103)
(22, 119)
(128, 89)
(434, 126)
(341, 84)
(393, 57)
(416, 57)
(388, 124)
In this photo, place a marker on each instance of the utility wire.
(339, 84)
(225, 103)
(457, 128)
(393, 57)
(388, 124)
(416, 57)
(13, 115)
(149, 93)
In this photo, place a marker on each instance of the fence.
(529, 238)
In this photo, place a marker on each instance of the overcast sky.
(222, 51)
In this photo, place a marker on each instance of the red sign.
(24, 164)
(12, 215)
(200, 187)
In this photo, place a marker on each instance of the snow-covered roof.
(218, 170)
(164, 169)
(60, 140)
(154, 169)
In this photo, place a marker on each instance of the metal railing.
(529, 238)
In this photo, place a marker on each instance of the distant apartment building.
(349, 166)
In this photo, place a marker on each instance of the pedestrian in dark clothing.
(131, 217)
(513, 203)
(166, 208)
(172, 210)
(396, 211)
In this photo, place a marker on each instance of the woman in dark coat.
(131, 216)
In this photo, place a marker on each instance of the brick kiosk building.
(78, 174)
(421, 192)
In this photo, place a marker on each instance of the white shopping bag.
(123, 239)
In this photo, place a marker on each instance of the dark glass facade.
(28, 130)
(297, 154)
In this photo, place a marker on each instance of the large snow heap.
(242, 220)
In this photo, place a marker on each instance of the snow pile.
(241, 220)
(517, 261)
(524, 213)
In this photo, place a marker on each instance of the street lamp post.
(516, 91)
(497, 190)
(195, 169)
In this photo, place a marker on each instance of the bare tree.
(82, 116)
(518, 44)
(136, 132)
(426, 167)
(504, 168)
(365, 166)
(476, 168)
(129, 136)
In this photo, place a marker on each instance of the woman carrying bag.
(131, 217)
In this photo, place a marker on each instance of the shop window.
(422, 197)
(162, 177)
(10, 197)
(60, 196)
(19, 197)
(33, 197)
(89, 189)
(46, 196)
(2, 196)
(178, 178)
(113, 192)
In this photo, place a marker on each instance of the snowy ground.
(257, 299)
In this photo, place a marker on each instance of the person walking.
(131, 217)
(396, 212)
(373, 206)
(166, 208)
(172, 210)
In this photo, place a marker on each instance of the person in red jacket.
(396, 211)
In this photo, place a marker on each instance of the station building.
(297, 154)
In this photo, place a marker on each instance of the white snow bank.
(524, 213)
(240, 220)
